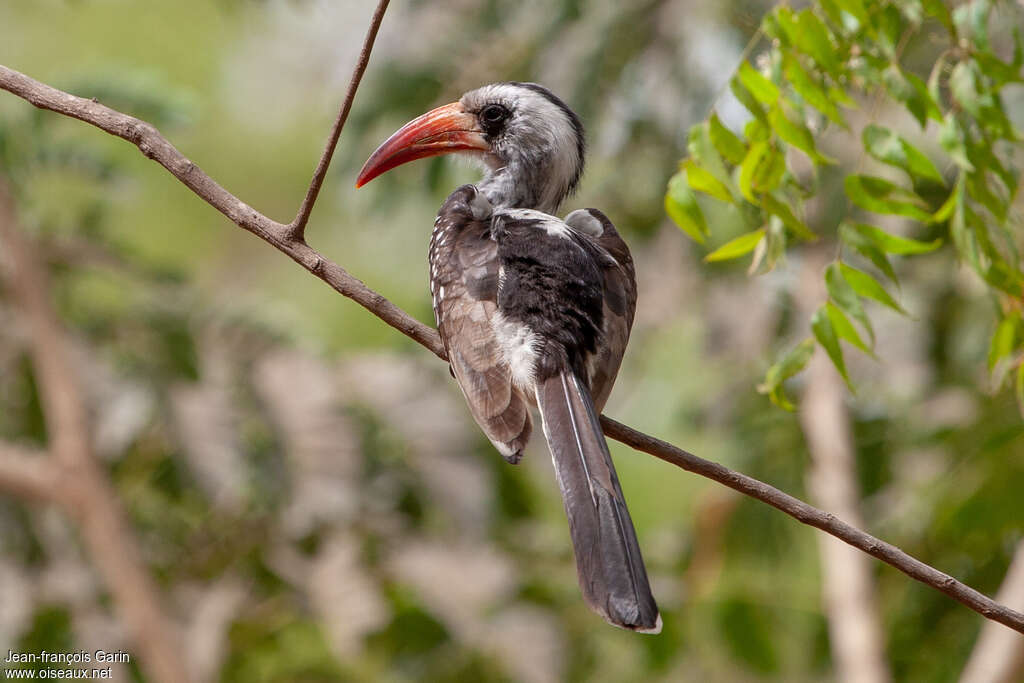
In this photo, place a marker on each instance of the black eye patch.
(493, 117)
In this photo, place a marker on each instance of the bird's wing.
(563, 285)
(464, 283)
(619, 299)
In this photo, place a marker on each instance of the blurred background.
(305, 485)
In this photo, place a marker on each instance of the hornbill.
(535, 310)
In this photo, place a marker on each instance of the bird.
(536, 311)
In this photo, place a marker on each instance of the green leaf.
(790, 364)
(844, 296)
(703, 153)
(736, 247)
(811, 90)
(999, 71)
(835, 14)
(888, 25)
(855, 8)
(893, 244)
(725, 141)
(1018, 389)
(813, 38)
(890, 148)
(796, 133)
(868, 287)
(761, 171)
(779, 208)
(881, 196)
(979, 191)
(963, 238)
(776, 242)
(747, 99)
(681, 206)
(1004, 340)
(964, 87)
(912, 92)
(971, 20)
(757, 131)
(787, 22)
(763, 90)
(755, 154)
(946, 210)
(845, 329)
(825, 333)
(867, 248)
(701, 180)
(951, 137)
(937, 9)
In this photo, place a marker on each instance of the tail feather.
(611, 570)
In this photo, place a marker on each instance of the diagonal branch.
(297, 228)
(152, 144)
(156, 147)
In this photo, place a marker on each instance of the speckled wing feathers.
(464, 284)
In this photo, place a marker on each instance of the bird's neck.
(512, 186)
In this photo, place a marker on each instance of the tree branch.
(75, 480)
(297, 228)
(152, 144)
(156, 147)
(27, 475)
(812, 516)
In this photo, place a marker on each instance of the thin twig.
(154, 145)
(297, 228)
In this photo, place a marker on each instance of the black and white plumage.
(535, 310)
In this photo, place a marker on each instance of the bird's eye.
(493, 113)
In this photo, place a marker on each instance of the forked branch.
(288, 239)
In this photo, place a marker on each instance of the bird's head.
(529, 142)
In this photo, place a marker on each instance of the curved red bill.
(440, 131)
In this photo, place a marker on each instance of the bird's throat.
(510, 188)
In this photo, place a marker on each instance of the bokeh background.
(308, 490)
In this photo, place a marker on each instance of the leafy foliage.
(826, 61)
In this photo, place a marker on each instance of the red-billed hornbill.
(535, 310)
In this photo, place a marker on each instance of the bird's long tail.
(611, 570)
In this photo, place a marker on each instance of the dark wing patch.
(619, 282)
(464, 283)
(552, 285)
